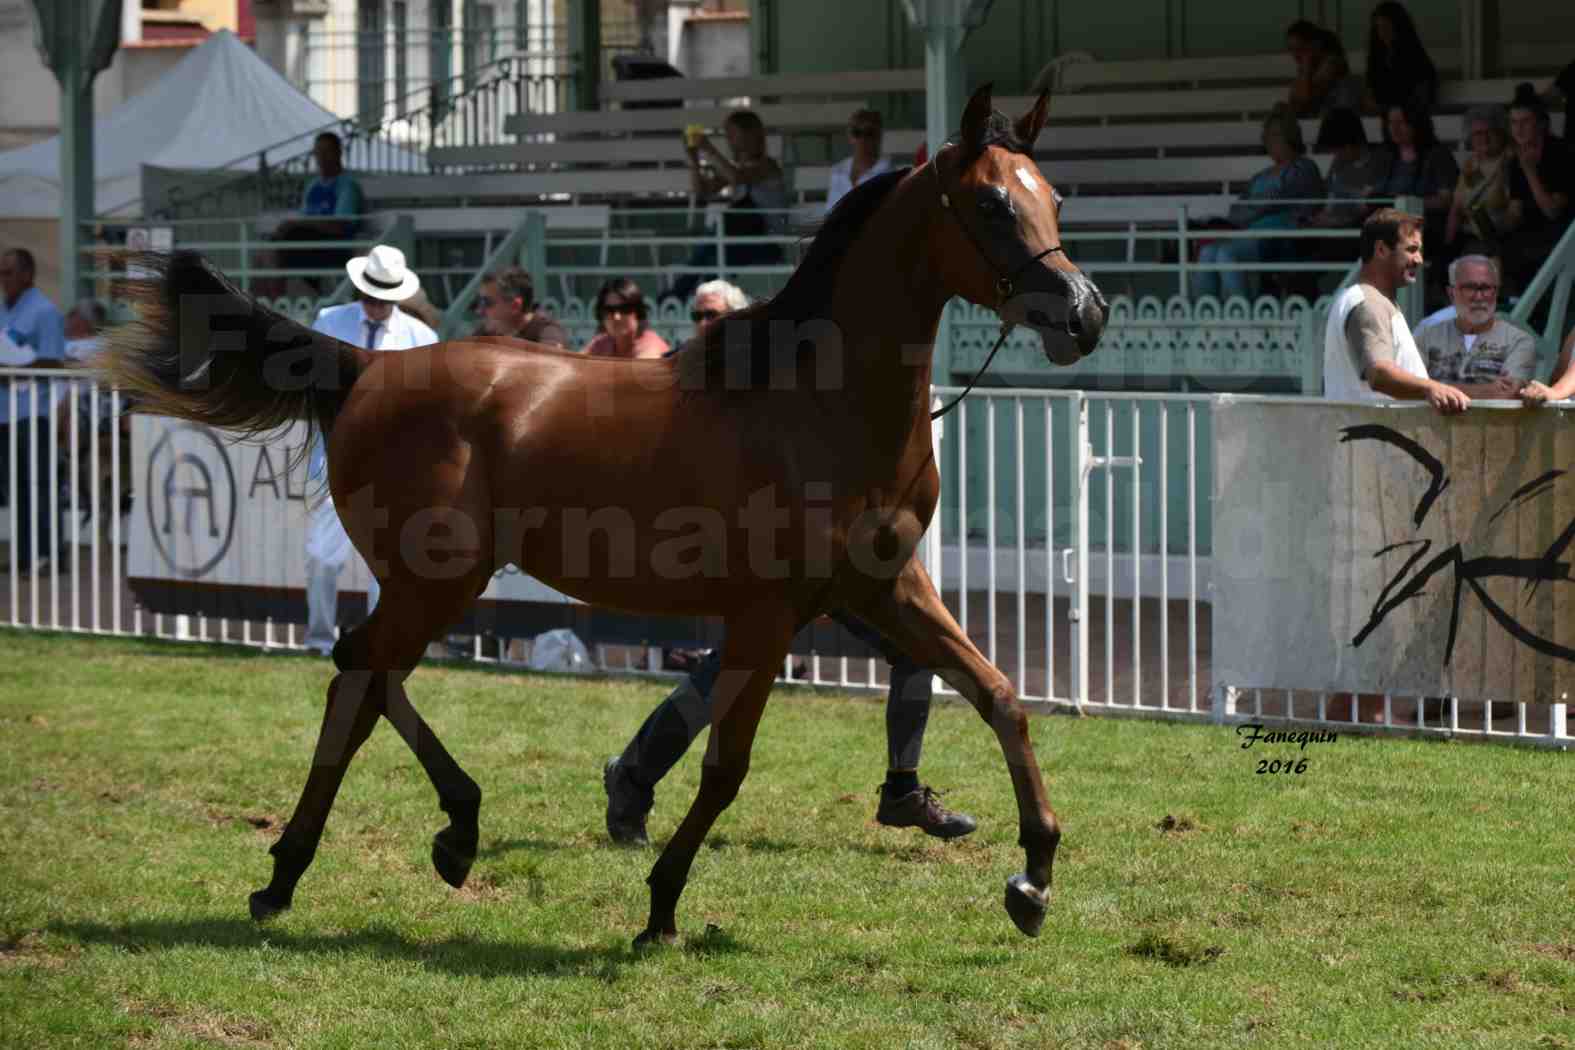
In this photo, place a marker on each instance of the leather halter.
(1005, 283)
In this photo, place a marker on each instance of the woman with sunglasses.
(621, 311)
(864, 135)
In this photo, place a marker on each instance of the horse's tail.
(202, 350)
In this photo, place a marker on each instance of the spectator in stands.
(1541, 179)
(755, 188)
(1291, 177)
(1563, 388)
(1478, 353)
(32, 335)
(330, 208)
(1421, 166)
(507, 304)
(1355, 172)
(1369, 354)
(1479, 208)
(1323, 75)
(373, 321)
(713, 300)
(867, 160)
(1398, 68)
(622, 313)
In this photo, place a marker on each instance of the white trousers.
(328, 548)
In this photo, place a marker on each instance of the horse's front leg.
(912, 616)
(751, 658)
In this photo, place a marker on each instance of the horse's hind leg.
(453, 848)
(354, 704)
(375, 659)
(912, 616)
(751, 657)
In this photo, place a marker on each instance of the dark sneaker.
(922, 809)
(627, 805)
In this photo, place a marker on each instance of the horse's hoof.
(452, 856)
(1025, 904)
(265, 906)
(650, 938)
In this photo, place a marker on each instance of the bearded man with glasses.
(1476, 351)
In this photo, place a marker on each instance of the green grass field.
(1397, 893)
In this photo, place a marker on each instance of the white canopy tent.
(218, 104)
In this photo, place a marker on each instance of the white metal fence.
(1085, 575)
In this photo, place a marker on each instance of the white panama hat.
(382, 274)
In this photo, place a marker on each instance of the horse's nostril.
(1074, 323)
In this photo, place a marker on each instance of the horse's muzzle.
(1070, 324)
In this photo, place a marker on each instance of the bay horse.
(778, 468)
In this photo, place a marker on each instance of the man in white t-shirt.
(1368, 352)
(375, 322)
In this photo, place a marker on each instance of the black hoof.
(265, 905)
(452, 855)
(656, 938)
(1025, 904)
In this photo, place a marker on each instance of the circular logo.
(191, 499)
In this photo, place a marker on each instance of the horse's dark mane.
(806, 296)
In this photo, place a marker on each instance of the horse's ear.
(1031, 123)
(976, 117)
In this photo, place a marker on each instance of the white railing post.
(1083, 463)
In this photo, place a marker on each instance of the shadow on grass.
(461, 956)
(498, 849)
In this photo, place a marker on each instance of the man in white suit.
(374, 322)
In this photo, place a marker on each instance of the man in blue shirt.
(330, 207)
(34, 338)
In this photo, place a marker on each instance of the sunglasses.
(1478, 289)
(619, 309)
(704, 315)
(863, 133)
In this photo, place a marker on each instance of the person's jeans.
(34, 478)
(1222, 284)
(705, 255)
(669, 730)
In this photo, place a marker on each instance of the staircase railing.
(468, 109)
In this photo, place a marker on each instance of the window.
(371, 61)
(480, 39)
(401, 19)
(440, 17)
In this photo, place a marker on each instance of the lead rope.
(1006, 328)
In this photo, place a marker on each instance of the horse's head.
(1004, 247)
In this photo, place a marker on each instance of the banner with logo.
(1392, 550)
(219, 516)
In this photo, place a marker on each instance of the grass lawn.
(1397, 893)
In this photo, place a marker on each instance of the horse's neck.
(888, 306)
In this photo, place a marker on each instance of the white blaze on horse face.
(1028, 181)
